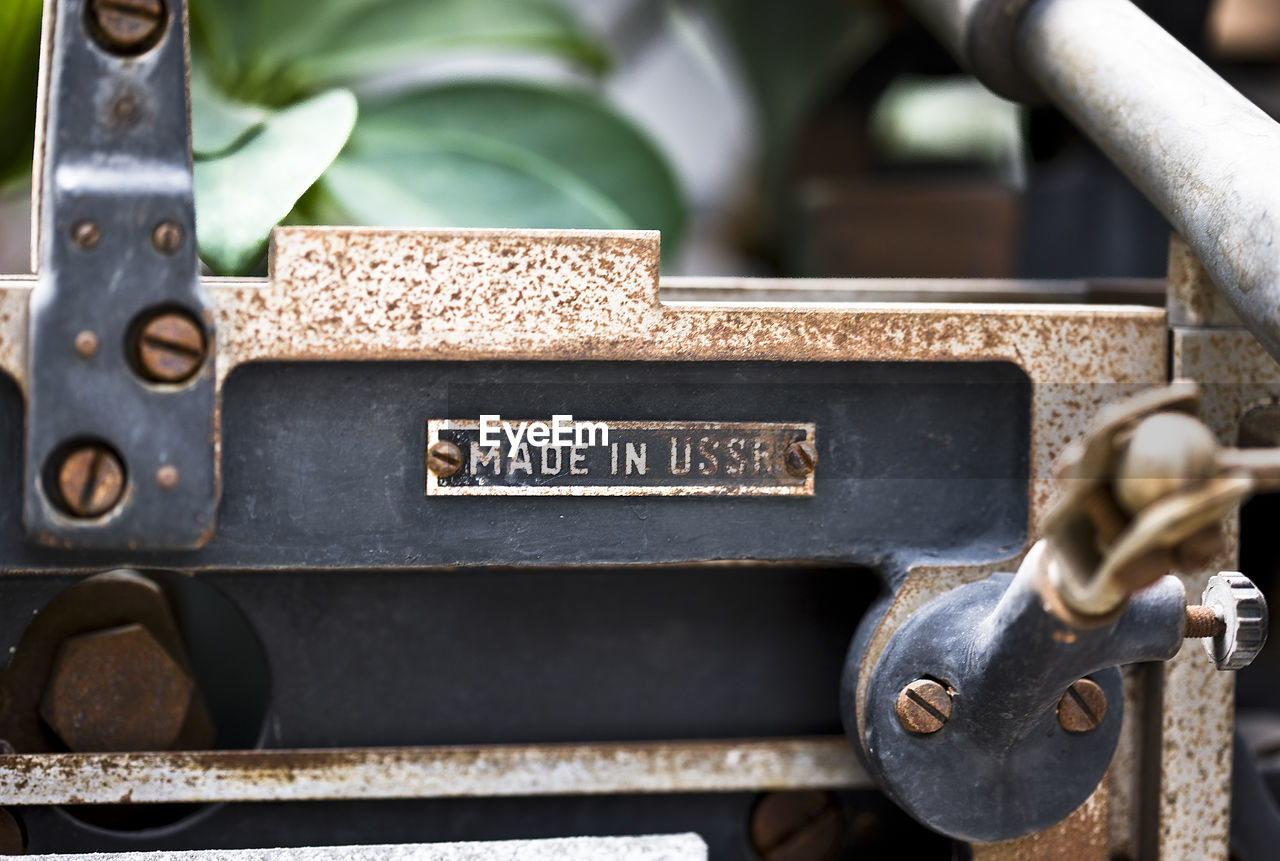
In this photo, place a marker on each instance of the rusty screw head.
(169, 348)
(117, 690)
(1082, 707)
(86, 234)
(797, 826)
(923, 706)
(90, 480)
(127, 27)
(444, 458)
(801, 458)
(167, 237)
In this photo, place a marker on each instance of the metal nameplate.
(638, 459)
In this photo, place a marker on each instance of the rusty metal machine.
(496, 538)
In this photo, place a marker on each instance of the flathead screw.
(90, 480)
(924, 706)
(126, 26)
(801, 458)
(167, 237)
(170, 348)
(86, 234)
(444, 458)
(1082, 707)
(808, 825)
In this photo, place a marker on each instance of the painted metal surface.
(117, 252)
(430, 772)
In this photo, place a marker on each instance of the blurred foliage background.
(337, 111)
(812, 138)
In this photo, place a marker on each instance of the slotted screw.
(801, 458)
(1082, 707)
(90, 480)
(167, 237)
(126, 26)
(444, 458)
(170, 348)
(797, 826)
(86, 234)
(924, 706)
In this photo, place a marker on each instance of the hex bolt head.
(169, 348)
(117, 690)
(797, 826)
(444, 458)
(126, 27)
(924, 706)
(167, 237)
(1242, 609)
(90, 480)
(801, 458)
(1083, 707)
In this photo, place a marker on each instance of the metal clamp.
(121, 419)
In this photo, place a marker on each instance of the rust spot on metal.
(801, 458)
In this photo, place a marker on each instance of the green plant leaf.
(19, 68)
(218, 124)
(271, 52)
(503, 154)
(244, 193)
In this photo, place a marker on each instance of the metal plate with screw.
(630, 459)
(120, 372)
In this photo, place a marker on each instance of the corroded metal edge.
(430, 772)
(649, 847)
(1235, 374)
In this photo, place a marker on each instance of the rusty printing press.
(316, 566)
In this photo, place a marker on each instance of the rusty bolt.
(444, 458)
(923, 706)
(1082, 707)
(117, 690)
(90, 480)
(801, 458)
(1204, 622)
(167, 237)
(797, 826)
(86, 234)
(170, 348)
(86, 344)
(126, 26)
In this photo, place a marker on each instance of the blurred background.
(813, 138)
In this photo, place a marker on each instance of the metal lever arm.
(1201, 152)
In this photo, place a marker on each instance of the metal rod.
(1201, 152)
(430, 772)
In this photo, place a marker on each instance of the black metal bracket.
(122, 432)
